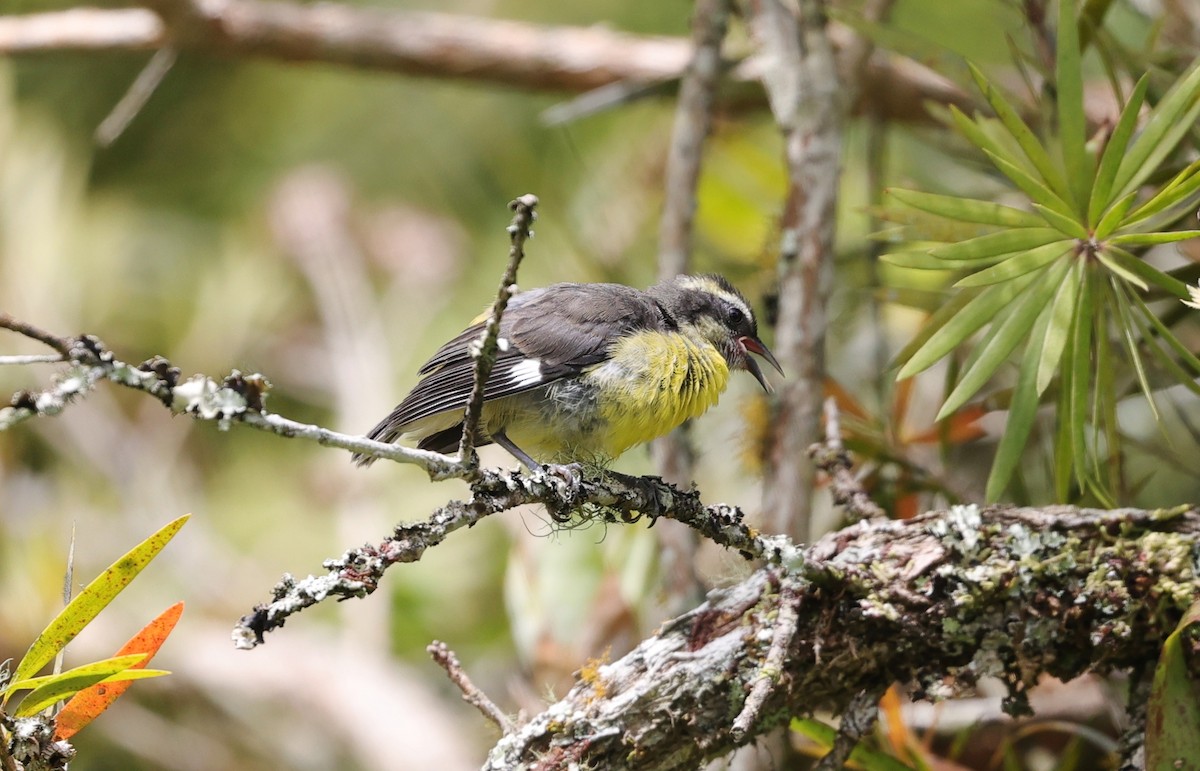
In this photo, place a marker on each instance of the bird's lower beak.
(755, 346)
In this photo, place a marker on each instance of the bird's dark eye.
(736, 316)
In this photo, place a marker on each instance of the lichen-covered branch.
(935, 602)
(608, 495)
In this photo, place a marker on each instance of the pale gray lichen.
(203, 397)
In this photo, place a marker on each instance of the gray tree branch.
(935, 602)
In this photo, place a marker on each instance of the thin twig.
(33, 358)
(471, 693)
(832, 458)
(60, 344)
(485, 348)
(143, 86)
(772, 667)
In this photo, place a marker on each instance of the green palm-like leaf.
(1058, 330)
(1072, 122)
(993, 244)
(1114, 151)
(1027, 262)
(1027, 310)
(974, 315)
(967, 209)
(1169, 121)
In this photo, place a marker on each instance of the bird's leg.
(500, 438)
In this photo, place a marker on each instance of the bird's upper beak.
(754, 345)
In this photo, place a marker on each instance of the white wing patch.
(526, 373)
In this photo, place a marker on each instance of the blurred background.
(329, 228)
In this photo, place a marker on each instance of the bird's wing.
(545, 335)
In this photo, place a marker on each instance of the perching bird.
(587, 371)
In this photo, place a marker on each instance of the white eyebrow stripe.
(527, 372)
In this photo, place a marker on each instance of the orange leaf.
(86, 706)
(845, 400)
(959, 428)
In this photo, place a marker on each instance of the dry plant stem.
(832, 458)
(803, 92)
(935, 602)
(529, 56)
(484, 351)
(471, 694)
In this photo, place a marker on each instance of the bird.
(586, 371)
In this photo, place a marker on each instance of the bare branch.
(832, 458)
(484, 350)
(857, 721)
(523, 55)
(471, 694)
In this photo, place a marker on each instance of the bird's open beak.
(754, 345)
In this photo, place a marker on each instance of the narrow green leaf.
(963, 324)
(1063, 463)
(1058, 330)
(926, 261)
(1022, 413)
(1072, 122)
(976, 135)
(1169, 121)
(93, 599)
(1068, 225)
(65, 683)
(945, 311)
(1185, 185)
(993, 244)
(1030, 306)
(1149, 239)
(57, 691)
(1114, 216)
(1173, 709)
(1168, 337)
(1122, 302)
(1118, 269)
(966, 209)
(1033, 188)
(1114, 151)
(1024, 137)
(1145, 271)
(1019, 265)
(1080, 365)
(862, 756)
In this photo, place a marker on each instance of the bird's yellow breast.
(652, 383)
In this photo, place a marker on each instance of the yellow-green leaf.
(1169, 121)
(51, 688)
(93, 599)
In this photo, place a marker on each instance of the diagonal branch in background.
(935, 602)
(518, 54)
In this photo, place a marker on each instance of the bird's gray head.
(718, 311)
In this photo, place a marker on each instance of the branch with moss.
(935, 602)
